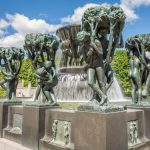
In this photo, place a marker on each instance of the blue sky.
(19, 17)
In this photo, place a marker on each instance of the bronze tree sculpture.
(41, 50)
(97, 24)
(10, 65)
(138, 47)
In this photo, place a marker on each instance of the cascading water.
(114, 92)
(74, 87)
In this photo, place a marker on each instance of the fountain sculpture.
(96, 125)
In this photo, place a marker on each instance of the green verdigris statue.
(138, 48)
(42, 49)
(69, 45)
(10, 65)
(98, 23)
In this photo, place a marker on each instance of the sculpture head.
(48, 64)
(83, 37)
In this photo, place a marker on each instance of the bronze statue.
(137, 47)
(10, 65)
(93, 56)
(69, 45)
(42, 49)
(98, 23)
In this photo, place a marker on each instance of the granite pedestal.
(63, 140)
(146, 119)
(33, 125)
(13, 131)
(100, 131)
(4, 104)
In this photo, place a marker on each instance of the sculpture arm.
(54, 71)
(142, 57)
(41, 78)
(5, 73)
(30, 54)
(2, 84)
(35, 60)
(97, 47)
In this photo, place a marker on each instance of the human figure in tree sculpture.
(135, 77)
(42, 49)
(69, 45)
(98, 23)
(47, 79)
(10, 65)
(102, 36)
(145, 92)
(66, 53)
(139, 71)
(93, 56)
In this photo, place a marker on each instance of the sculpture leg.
(47, 95)
(65, 60)
(70, 61)
(139, 89)
(134, 89)
(145, 92)
(109, 74)
(53, 97)
(91, 77)
(102, 85)
(37, 92)
(12, 86)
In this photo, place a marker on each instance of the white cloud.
(77, 15)
(14, 40)
(2, 33)
(23, 25)
(129, 7)
(3, 26)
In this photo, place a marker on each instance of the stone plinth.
(100, 131)
(34, 125)
(59, 130)
(146, 119)
(4, 104)
(13, 131)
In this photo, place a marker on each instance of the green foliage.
(27, 73)
(2, 91)
(120, 67)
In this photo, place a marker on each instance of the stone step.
(9, 145)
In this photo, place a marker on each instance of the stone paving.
(9, 145)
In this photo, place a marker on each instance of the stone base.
(63, 117)
(93, 106)
(12, 136)
(98, 131)
(51, 146)
(146, 120)
(142, 146)
(4, 104)
(13, 131)
(33, 125)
